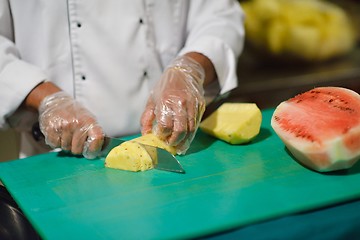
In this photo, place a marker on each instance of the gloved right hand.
(67, 124)
(176, 104)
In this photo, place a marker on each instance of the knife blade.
(217, 101)
(165, 161)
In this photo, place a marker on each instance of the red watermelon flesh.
(321, 127)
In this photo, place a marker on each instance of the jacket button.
(141, 21)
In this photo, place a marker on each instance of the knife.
(165, 160)
(217, 101)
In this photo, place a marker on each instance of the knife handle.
(36, 132)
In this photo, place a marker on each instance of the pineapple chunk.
(130, 156)
(235, 123)
(153, 140)
(133, 156)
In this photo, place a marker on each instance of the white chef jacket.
(108, 54)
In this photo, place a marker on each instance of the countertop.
(225, 187)
(268, 83)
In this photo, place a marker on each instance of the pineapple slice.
(235, 123)
(133, 156)
(153, 140)
(130, 156)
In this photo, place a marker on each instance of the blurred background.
(295, 45)
(291, 46)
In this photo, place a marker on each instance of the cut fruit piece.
(321, 127)
(130, 156)
(153, 140)
(235, 123)
(133, 156)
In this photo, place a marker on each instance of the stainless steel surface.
(167, 162)
(13, 223)
(109, 144)
(267, 83)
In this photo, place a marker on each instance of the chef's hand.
(176, 104)
(67, 124)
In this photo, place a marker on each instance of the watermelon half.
(321, 127)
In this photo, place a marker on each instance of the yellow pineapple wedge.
(133, 156)
(235, 123)
(152, 140)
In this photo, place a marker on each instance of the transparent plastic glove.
(176, 104)
(65, 123)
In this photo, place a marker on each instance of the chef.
(85, 69)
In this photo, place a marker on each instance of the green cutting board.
(225, 187)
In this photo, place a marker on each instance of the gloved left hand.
(67, 124)
(176, 104)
